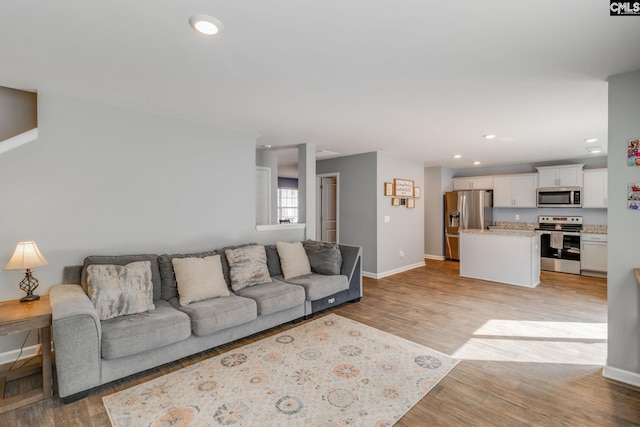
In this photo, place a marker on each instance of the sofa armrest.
(76, 338)
(352, 268)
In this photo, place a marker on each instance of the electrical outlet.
(387, 218)
(401, 254)
(517, 217)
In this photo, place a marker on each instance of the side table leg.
(46, 362)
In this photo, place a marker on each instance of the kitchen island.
(511, 257)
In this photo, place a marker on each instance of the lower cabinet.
(593, 256)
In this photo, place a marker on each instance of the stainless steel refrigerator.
(466, 209)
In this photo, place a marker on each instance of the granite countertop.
(595, 229)
(503, 232)
(525, 226)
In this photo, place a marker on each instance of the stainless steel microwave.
(559, 197)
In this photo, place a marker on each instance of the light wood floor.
(529, 357)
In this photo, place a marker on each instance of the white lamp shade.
(27, 255)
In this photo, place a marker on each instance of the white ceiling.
(421, 78)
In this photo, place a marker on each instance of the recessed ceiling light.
(457, 156)
(594, 150)
(590, 140)
(489, 136)
(476, 163)
(205, 24)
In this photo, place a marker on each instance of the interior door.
(328, 209)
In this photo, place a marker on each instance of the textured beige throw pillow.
(293, 259)
(118, 290)
(199, 279)
(247, 266)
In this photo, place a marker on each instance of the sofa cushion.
(273, 260)
(168, 282)
(248, 266)
(275, 296)
(124, 260)
(199, 279)
(127, 335)
(118, 290)
(324, 257)
(293, 259)
(321, 285)
(216, 314)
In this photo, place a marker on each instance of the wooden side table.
(16, 316)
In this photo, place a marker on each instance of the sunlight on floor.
(538, 342)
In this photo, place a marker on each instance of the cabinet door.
(547, 178)
(482, 183)
(569, 177)
(594, 256)
(462, 184)
(503, 192)
(524, 191)
(595, 189)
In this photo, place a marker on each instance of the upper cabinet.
(560, 176)
(473, 183)
(515, 191)
(595, 188)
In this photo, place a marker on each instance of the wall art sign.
(633, 197)
(388, 189)
(633, 157)
(402, 188)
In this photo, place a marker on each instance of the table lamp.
(27, 257)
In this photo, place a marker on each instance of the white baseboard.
(392, 272)
(436, 257)
(27, 352)
(621, 375)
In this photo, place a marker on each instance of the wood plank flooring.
(529, 357)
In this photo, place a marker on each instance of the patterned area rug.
(331, 371)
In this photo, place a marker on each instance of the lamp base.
(30, 298)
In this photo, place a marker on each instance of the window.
(287, 205)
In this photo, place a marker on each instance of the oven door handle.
(566, 233)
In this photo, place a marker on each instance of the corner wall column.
(307, 188)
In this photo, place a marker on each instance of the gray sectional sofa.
(90, 352)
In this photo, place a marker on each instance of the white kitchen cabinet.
(560, 176)
(515, 191)
(473, 183)
(595, 188)
(593, 256)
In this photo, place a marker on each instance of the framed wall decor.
(395, 201)
(411, 203)
(633, 197)
(403, 187)
(633, 156)
(388, 189)
(416, 192)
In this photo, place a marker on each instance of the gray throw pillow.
(324, 257)
(118, 290)
(248, 266)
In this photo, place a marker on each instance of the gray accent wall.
(358, 202)
(104, 180)
(623, 359)
(18, 112)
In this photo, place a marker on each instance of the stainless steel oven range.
(560, 243)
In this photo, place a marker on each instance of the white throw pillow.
(119, 290)
(199, 279)
(293, 259)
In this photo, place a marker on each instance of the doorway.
(327, 190)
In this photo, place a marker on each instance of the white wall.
(405, 231)
(437, 181)
(103, 180)
(623, 359)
